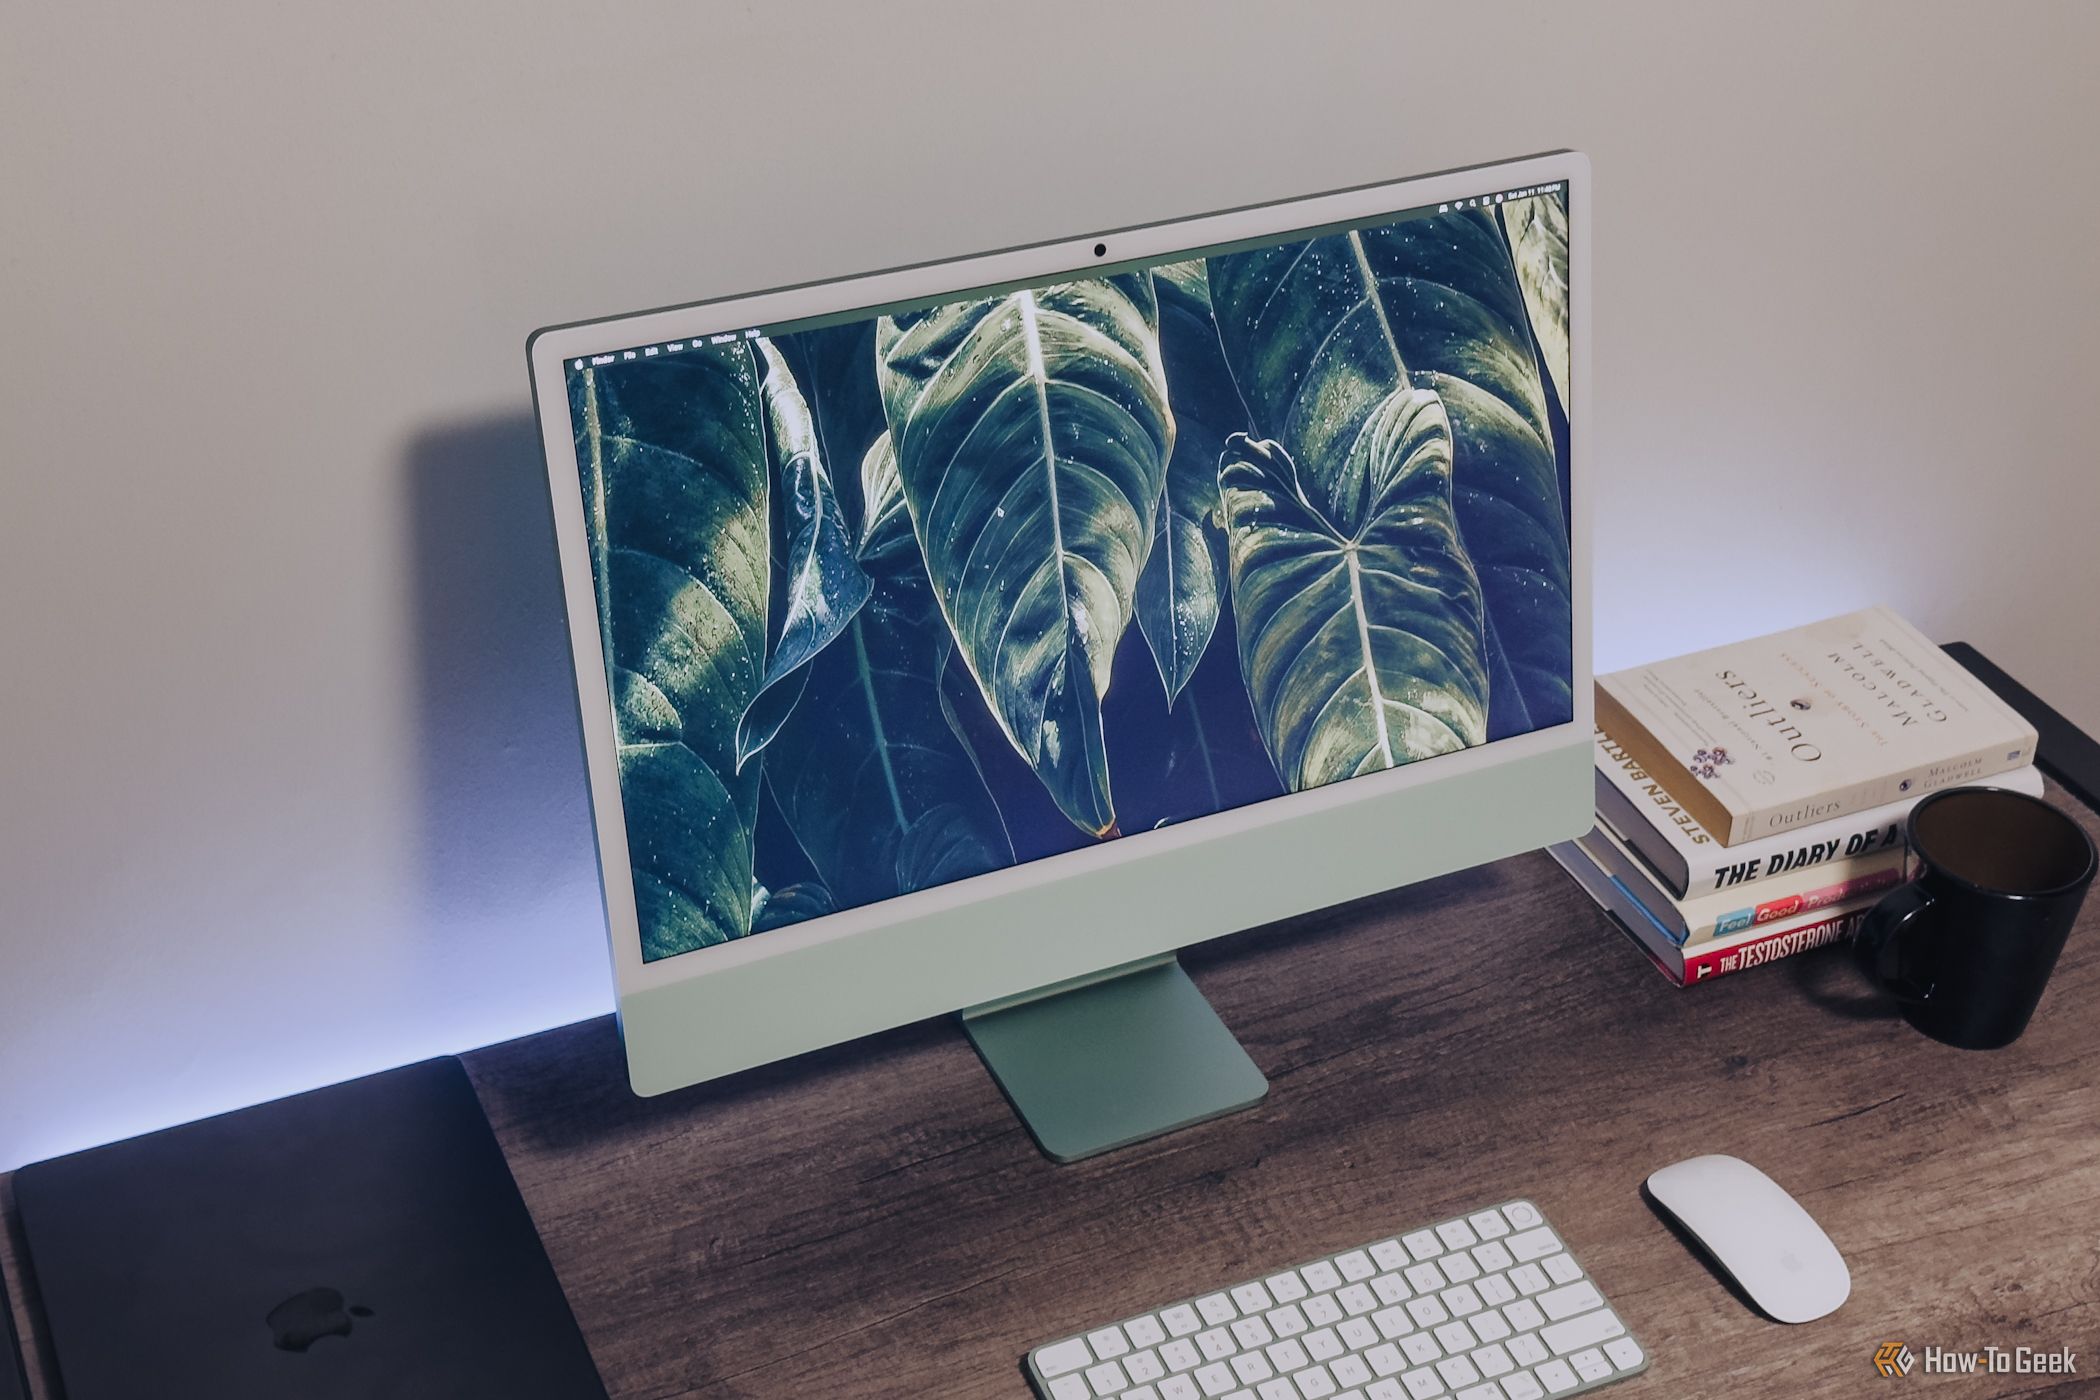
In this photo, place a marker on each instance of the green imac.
(969, 637)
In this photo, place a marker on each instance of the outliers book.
(1801, 727)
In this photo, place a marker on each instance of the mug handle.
(1877, 947)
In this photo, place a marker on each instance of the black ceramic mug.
(1968, 945)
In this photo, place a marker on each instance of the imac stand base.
(1109, 1060)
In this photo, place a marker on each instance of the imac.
(970, 637)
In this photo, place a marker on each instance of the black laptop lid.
(358, 1241)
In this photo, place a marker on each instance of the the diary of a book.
(1785, 731)
(1688, 923)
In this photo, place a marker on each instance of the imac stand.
(1104, 1061)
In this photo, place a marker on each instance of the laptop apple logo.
(304, 1318)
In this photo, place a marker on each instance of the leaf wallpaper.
(896, 602)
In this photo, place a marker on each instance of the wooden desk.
(872, 1221)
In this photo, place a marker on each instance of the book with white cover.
(1781, 732)
(1729, 912)
(1688, 862)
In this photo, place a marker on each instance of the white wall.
(288, 787)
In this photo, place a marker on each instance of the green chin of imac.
(1001, 959)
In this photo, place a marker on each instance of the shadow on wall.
(506, 819)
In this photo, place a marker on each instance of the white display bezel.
(685, 1054)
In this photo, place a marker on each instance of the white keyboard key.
(1322, 1277)
(1390, 1255)
(1422, 1384)
(1068, 1355)
(1524, 1315)
(1462, 1300)
(1286, 1287)
(1217, 1309)
(1216, 1344)
(1181, 1321)
(1252, 1332)
(1590, 1365)
(1486, 1390)
(1279, 1389)
(1252, 1368)
(1421, 1348)
(1521, 1214)
(1322, 1311)
(1385, 1359)
(1314, 1383)
(1392, 1322)
(1528, 1350)
(1488, 1325)
(1625, 1352)
(1534, 1244)
(1351, 1370)
(1252, 1298)
(1557, 1376)
(1324, 1345)
(1530, 1279)
(1216, 1378)
(1179, 1388)
(1385, 1390)
(1497, 1289)
(1107, 1379)
(1423, 1244)
(1391, 1288)
(1489, 1224)
(1071, 1387)
(1566, 1302)
(1289, 1356)
(1459, 1268)
(1357, 1300)
(1356, 1265)
(1146, 1392)
(1287, 1321)
(1492, 1258)
(1427, 1312)
(1457, 1371)
(1519, 1385)
(1455, 1336)
(1144, 1366)
(1181, 1355)
(1358, 1333)
(1562, 1269)
(1456, 1234)
(1108, 1343)
(1578, 1332)
(1493, 1361)
(1425, 1278)
(1144, 1332)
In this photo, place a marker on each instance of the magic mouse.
(1768, 1244)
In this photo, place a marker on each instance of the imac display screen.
(898, 597)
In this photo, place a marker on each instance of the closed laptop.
(359, 1241)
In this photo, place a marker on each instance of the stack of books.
(1751, 799)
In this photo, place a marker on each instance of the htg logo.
(1894, 1359)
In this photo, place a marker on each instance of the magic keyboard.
(1488, 1306)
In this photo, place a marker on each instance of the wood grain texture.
(872, 1221)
